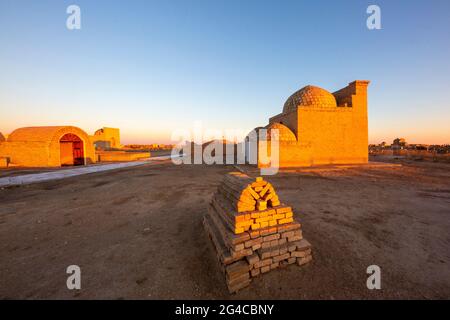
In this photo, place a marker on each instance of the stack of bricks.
(252, 231)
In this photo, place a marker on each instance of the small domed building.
(52, 146)
(318, 127)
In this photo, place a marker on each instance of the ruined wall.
(106, 138)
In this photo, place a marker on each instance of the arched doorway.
(71, 150)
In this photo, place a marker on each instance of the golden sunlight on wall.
(319, 127)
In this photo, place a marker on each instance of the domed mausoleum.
(320, 127)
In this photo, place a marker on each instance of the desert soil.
(137, 233)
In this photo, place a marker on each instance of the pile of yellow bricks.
(252, 231)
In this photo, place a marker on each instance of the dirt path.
(137, 233)
(29, 178)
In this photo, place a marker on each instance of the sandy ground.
(137, 233)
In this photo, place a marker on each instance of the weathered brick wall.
(107, 136)
(4, 162)
(27, 154)
(335, 136)
(291, 154)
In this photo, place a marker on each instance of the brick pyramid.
(252, 231)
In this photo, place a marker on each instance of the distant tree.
(400, 142)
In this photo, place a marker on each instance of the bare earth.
(137, 233)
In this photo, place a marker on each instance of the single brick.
(265, 245)
(286, 220)
(275, 252)
(254, 258)
(239, 247)
(301, 254)
(283, 249)
(305, 260)
(272, 237)
(264, 219)
(294, 238)
(256, 246)
(284, 209)
(265, 269)
(278, 216)
(255, 226)
(263, 263)
(281, 257)
(255, 272)
(254, 234)
(273, 243)
(274, 265)
(254, 215)
(265, 253)
(287, 234)
(237, 268)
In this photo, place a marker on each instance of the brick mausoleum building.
(319, 127)
(48, 147)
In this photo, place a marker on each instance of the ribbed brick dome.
(284, 133)
(309, 96)
(46, 134)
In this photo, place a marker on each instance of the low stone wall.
(428, 156)
(121, 156)
(414, 155)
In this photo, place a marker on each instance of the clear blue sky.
(149, 67)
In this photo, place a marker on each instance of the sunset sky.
(150, 67)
